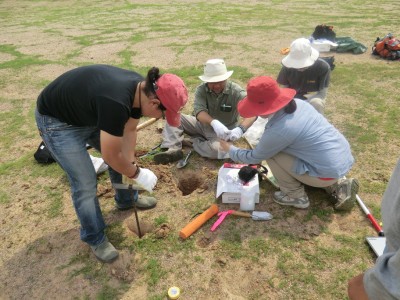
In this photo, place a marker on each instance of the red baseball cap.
(264, 97)
(173, 94)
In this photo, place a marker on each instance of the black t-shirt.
(312, 79)
(96, 95)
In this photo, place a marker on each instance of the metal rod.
(135, 210)
(370, 217)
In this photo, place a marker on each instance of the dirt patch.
(41, 254)
(189, 181)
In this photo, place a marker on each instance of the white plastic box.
(230, 186)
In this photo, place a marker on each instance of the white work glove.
(236, 134)
(146, 179)
(220, 129)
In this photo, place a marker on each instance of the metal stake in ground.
(130, 188)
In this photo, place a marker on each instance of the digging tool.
(131, 187)
(146, 123)
(152, 151)
(370, 217)
(255, 215)
(135, 210)
(183, 162)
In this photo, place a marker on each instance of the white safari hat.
(215, 71)
(301, 54)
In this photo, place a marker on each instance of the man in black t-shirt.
(101, 105)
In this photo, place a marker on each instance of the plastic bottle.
(247, 200)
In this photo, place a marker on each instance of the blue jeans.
(67, 144)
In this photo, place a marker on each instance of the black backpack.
(330, 60)
(324, 32)
(43, 155)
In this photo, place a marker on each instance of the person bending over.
(101, 105)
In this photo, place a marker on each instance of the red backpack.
(387, 47)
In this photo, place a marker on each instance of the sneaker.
(345, 194)
(144, 202)
(168, 156)
(283, 199)
(105, 252)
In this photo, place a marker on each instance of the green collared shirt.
(222, 107)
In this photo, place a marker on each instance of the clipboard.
(377, 244)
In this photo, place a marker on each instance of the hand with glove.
(146, 179)
(220, 129)
(236, 134)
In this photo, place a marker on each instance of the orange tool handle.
(198, 221)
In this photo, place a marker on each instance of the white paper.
(377, 244)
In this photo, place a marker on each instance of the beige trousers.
(318, 104)
(291, 183)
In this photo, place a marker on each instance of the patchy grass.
(42, 39)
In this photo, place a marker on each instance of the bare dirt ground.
(43, 258)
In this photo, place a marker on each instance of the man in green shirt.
(214, 117)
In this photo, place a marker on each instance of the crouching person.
(300, 146)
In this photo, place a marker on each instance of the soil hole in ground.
(189, 181)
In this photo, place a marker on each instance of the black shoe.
(168, 156)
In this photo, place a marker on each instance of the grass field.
(307, 254)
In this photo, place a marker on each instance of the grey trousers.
(204, 139)
(291, 183)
